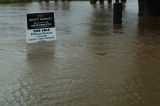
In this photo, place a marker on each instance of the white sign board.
(40, 27)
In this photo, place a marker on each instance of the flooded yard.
(92, 62)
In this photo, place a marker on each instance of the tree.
(149, 7)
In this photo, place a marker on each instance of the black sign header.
(40, 20)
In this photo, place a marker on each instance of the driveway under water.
(92, 62)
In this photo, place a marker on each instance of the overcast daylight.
(79, 52)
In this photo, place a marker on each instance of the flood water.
(92, 62)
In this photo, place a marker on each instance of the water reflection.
(110, 5)
(40, 59)
(146, 23)
(45, 5)
(40, 50)
(148, 39)
(66, 5)
(50, 5)
(99, 21)
(118, 28)
(142, 83)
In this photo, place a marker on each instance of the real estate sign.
(40, 27)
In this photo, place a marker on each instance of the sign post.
(40, 27)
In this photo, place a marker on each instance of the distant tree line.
(12, 1)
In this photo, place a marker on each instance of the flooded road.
(92, 62)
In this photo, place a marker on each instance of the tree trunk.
(149, 7)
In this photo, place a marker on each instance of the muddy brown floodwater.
(92, 62)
